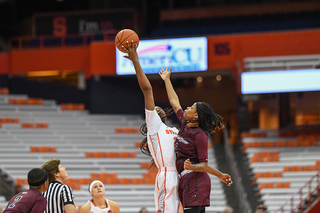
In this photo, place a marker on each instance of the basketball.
(126, 35)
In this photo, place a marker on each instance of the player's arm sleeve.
(153, 121)
(180, 116)
(202, 143)
(40, 205)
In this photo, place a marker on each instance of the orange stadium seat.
(268, 144)
(4, 91)
(137, 144)
(89, 154)
(292, 143)
(34, 101)
(27, 125)
(265, 157)
(72, 106)
(124, 181)
(123, 154)
(244, 134)
(73, 183)
(267, 174)
(295, 168)
(17, 101)
(21, 181)
(256, 144)
(137, 181)
(99, 154)
(109, 178)
(70, 181)
(273, 174)
(149, 178)
(43, 149)
(111, 155)
(132, 154)
(9, 120)
(86, 181)
(42, 125)
(258, 134)
(127, 130)
(246, 145)
(145, 165)
(259, 175)
(266, 185)
(280, 144)
(282, 184)
(95, 176)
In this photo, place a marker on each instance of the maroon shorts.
(194, 189)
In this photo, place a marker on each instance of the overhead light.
(43, 73)
(199, 79)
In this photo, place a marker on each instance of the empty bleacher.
(239, 24)
(282, 162)
(239, 18)
(91, 147)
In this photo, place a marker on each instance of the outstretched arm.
(172, 95)
(204, 167)
(144, 82)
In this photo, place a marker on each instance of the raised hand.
(165, 74)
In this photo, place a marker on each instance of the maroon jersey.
(192, 143)
(29, 201)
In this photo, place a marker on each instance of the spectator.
(261, 209)
(143, 210)
(228, 209)
(30, 200)
(59, 196)
(99, 203)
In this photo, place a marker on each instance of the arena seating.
(238, 24)
(90, 146)
(282, 162)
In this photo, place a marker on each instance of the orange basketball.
(126, 35)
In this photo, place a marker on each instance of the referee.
(59, 196)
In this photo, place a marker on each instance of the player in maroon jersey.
(31, 200)
(191, 149)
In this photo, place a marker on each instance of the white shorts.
(166, 195)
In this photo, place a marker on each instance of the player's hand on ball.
(131, 50)
(226, 179)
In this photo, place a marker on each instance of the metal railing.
(303, 201)
(22, 42)
(276, 63)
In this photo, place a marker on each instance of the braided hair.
(143, 130)
(209, 121)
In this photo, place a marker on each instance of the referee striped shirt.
(58, 195)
